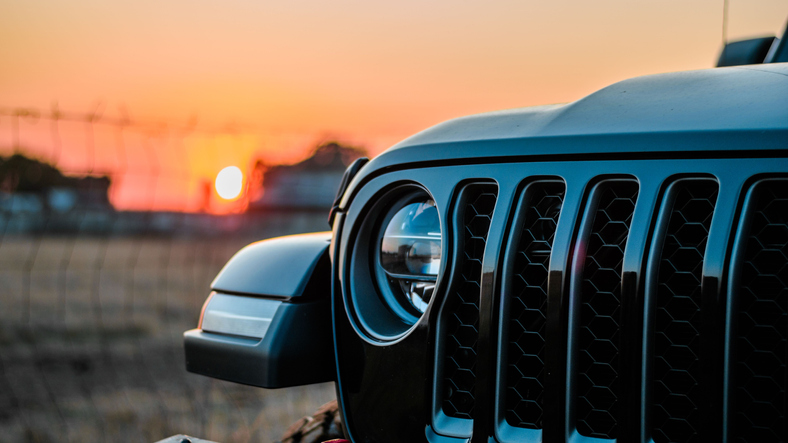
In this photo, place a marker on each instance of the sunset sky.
(271, 79)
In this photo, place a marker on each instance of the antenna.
(724, 23)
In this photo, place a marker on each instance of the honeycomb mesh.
(677, 317)
(525, 371)
(597, 387)
(462, 307)
(762, 320)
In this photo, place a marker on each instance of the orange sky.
(289, 74)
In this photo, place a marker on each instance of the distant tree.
(333, 155)
(255, 181)
(25, 174)
(19, 173)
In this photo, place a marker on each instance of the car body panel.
(258, 268)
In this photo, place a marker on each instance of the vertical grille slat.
(761, 338)
(462, 307)
(676, 370)
(597, 390)
(524, 393)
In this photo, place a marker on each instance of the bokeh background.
(117, 117)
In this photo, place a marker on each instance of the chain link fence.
(100, 276)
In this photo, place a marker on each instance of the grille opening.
(597, 387)
(524, 393)
(461, 311)
(676, 399)
(760, 341)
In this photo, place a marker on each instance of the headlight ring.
(395, 262)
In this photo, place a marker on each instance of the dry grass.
(91, 344)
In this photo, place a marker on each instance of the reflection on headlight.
(410, 251)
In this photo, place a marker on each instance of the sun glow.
(229, 183)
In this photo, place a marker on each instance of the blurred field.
(91, 340)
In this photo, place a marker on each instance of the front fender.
(267, 322)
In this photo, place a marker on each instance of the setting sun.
(229, 182)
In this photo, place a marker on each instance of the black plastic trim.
(505, 431)
(297, 337)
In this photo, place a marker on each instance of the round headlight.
(410, 253)
(394, 264)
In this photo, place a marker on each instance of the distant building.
(309, 185)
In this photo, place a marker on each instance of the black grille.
(677, 314)
(541, 207)
(597, 388)
(665, 319)
(762, 321)
(462, 307)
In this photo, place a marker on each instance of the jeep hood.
(721, 109)
(738, 98)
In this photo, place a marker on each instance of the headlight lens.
(410, 252)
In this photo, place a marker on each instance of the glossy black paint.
(387, 390)
(657, 146)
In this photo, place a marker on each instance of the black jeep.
(615, 268)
